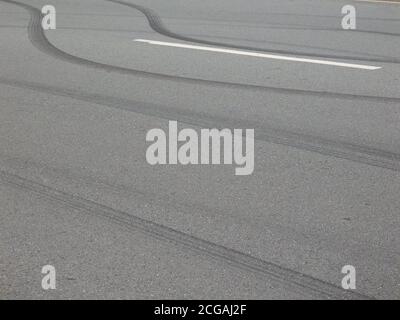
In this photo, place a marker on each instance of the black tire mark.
(275, 25)
(288, 277)
(40, 41)
(157, 25)
(202, 36)
(343, 150)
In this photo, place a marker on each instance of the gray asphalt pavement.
(77, 192)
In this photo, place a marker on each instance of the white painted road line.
(258, 55)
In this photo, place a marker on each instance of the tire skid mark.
(243, 261)
(157, 25)
(235, 258)
(341, 150)
(40, 41)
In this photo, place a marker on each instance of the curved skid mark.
(157, 25)
(343, 150)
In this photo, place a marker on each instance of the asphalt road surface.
(76, 191)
